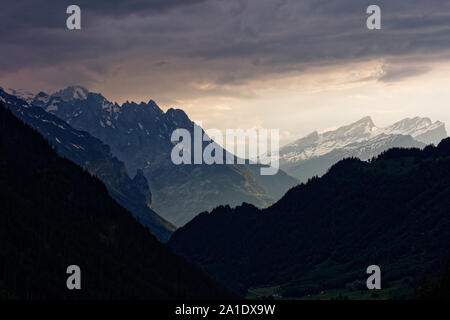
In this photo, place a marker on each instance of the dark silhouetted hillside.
(54, 214)
(393, 211)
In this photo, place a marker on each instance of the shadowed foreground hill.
(53, 214)
(393, 211)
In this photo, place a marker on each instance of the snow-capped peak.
(359, 129)
(412, 126)
(72, 93)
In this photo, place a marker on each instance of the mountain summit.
(72, 93)
(421, 129)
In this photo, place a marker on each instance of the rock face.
(317, 152)
(96, 157)
(140, 182)
(139, 135)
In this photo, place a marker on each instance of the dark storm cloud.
(393, 73)
(229, 41)
(20, 15)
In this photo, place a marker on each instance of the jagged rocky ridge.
(139, 135)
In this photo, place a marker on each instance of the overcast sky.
(288, 64)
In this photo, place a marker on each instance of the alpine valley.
(367, 195)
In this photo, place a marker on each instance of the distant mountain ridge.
(92, 154)
(317, 152)
(139, 135)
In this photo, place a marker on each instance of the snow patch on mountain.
(421, 129)
(51, 107)
(72, 93)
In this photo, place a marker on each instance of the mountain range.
(317, 152)
(93, 155)
(140, 136)
(391, 211)
(55, 214)
(376, 203)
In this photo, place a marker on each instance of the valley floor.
(396, 291)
